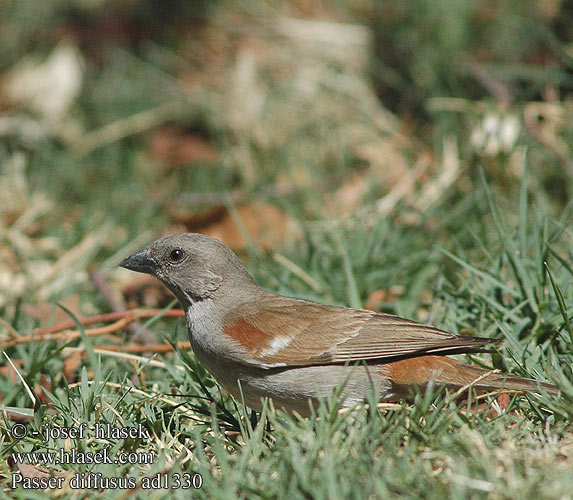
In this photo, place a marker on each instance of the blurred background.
(351, 131)
(408, 157)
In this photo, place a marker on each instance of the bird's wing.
(281, 331)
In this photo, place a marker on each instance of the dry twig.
(120, 319)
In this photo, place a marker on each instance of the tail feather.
(421, 370)
(488, 379)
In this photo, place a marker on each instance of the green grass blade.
(561, 302)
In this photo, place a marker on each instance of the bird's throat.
(199, 317)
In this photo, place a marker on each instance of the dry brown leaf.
(35, 472)
(175, 146)
(386, 162)
(348, 197)
(71, 364)
(196, 221)
(266, 226)
(379, 297)
(28, 470)
(44, 383)
(43, 312)
(7, 371)
(501, 404)
(145, 291)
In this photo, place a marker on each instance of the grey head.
(195, 267)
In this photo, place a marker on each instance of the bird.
(258, 344)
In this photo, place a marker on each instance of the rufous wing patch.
(248, 336)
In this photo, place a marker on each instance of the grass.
(426, 208)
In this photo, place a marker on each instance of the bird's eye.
(176, 255)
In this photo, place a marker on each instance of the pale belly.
(294, 389)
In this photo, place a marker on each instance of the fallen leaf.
(32, 471)
(196, 221)
(38, 389)
(378, 297)
(43, 312)
(502, 400)
(266, 226)
(35, 472)
(7, 371)
(71, 365)
(175, 146)
(386, 162)
(348, 197)
(145, 291)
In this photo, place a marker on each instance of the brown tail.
(492, 380)
(422, 369)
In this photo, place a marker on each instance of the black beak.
(140, 262)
